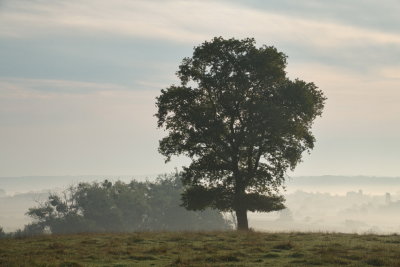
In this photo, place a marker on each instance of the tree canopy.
(242, 122)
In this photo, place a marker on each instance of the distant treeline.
(120, 207)
(330, 180)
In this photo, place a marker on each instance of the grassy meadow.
(202, 249)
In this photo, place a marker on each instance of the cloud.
(391, 73)
(179, 21)
(138, 43)
(44, 88)
(369, 14)
(91, 59)
(78, 78)
(358, 107)
(106, 130)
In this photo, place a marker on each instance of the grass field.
(202, 249)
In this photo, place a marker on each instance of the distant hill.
(12, 185)
(327, 183)
(343, 180)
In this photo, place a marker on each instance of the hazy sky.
(78, 79)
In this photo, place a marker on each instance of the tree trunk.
(242, 222)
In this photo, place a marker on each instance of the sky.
(78, 79)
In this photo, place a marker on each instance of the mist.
(320, 203)
(353, 212)
(357, 204)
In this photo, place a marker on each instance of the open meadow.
(202, 249)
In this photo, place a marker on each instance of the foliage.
(229, 248)
(2, 233)
(167, 213)
(120, 207)
(241, 121)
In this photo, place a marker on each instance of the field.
(202, 249)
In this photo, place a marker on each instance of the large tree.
(242, 122)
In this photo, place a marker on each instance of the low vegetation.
(201, 249)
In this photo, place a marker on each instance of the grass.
(202, 249)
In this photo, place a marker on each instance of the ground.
(202, 249)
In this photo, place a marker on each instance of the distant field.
(202, 249)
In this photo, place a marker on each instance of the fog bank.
(320, 203)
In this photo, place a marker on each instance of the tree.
(242, 122)
(2, 233)
(167, 213)
(120, 207)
